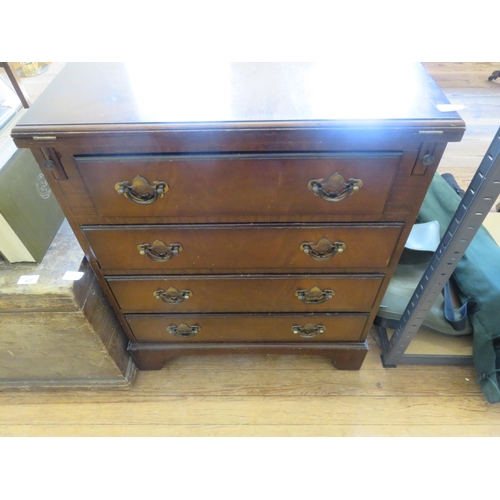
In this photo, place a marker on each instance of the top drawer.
(239, 185)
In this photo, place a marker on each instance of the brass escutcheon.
(335, 188)
(314, 296)
(323, 249)
(141, 191)
(183, 330)
(172, 295)
(308, 331)
(159, 251)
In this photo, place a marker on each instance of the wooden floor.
(291, 396)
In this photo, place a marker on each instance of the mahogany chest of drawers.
(241, 208)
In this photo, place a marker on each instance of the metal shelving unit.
(478, 200)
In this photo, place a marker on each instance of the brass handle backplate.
(308, 331)
(172, 295)
(314, 296)
(335, 188)
(323, 249)
(159, 251)
(183, 330)
(141, 191)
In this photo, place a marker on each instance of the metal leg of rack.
(478, 200)
(421, 359)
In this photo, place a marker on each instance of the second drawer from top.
(240, 248)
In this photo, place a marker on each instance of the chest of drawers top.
(241, 107)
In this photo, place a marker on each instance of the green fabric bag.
(478, 277)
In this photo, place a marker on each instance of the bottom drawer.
(191, 328)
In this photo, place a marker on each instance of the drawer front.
(239, 185)
(247, 294)
(247, 328)
(239, 248)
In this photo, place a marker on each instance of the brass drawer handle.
(159, 251)
(141, 191)
(314, 296)
(172, 295)
(335, 188)
(308, 331)
(323, 250)
(183, 330)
